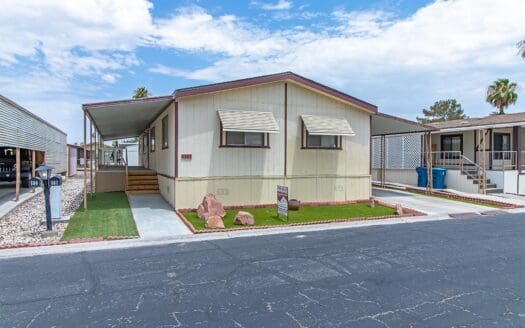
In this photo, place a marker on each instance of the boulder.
(294, 205)
(371, 202)
(399, 209)
(210, 206)
(214, 222)
(244, 218)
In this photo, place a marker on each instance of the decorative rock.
(244, 218)
(399, 209)
(210, 206)
(371, 202)
(214, 222)
(294, 205)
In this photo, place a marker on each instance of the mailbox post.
(44, 172)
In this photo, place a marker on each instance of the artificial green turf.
(268, 216)
(108, 214)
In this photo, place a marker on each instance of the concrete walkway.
(8, 202)
(427, 204)
(155, 218)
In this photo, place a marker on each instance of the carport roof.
(384, 124)
(125, 118)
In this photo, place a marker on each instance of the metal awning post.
(33, 165)
(428, 146)
(91, 158)
(85, 159)
(17, 187)
(383, 160)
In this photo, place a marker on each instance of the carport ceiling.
(125, 118)
(383, 124)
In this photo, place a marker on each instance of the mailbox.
(55, 196)
(35, 182)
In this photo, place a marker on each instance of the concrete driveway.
(427, 204)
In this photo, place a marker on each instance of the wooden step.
(142, 177)
(142, 192)
(142, 182)
(143, 187)
(142, 172)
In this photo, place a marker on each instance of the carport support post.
(33, 164)
(17, 187)
(85, 159)
(428, 146)
(91, 158)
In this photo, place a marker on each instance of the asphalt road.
(434, 274)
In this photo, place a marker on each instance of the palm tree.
(521, 46)
(141, 92)
(501, 94)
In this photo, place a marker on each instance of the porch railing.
(503, 160)
(447, 159)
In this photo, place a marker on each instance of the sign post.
(282, 201)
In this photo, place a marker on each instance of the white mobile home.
(241, 139)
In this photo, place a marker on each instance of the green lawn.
(268, 216)
(108, 214)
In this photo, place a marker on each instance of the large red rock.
(210, 206)
(214, 222)
(244, 218)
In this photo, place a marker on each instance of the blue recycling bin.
(422, 178)
(438, 177)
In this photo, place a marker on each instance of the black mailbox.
(35, 182)
(56, 180)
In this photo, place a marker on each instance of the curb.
(66, 242)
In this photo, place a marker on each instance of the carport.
(115, 120)
(384, 125)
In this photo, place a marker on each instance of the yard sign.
(282, 200)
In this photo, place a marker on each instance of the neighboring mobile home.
(34, 139)
(241, 139)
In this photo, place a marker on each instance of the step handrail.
(480, 176)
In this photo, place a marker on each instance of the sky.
(397, 54)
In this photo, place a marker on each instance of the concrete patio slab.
(427, 204)
(155, 218)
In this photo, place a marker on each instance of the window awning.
(327, 126)
(247, 121)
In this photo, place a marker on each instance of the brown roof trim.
(216, 87)
(400, 119)
(126, 101)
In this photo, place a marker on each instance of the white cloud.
(448, 48)
(193, 29)
(279, 5)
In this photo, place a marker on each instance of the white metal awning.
(125, 118)
(383, 124)
(328, 126)
(248, 121)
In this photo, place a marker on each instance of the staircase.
(141, 182)
(475, 175)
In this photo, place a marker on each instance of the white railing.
(447, 159)
(503, 160)
(523, 160)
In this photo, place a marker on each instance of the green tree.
(141, 92)
(443, 110)
(501, 94)
(521, 47)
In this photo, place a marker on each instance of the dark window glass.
(165, 132)
(245, 139)
(152, 139)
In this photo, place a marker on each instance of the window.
(245, 139)
(501, 145)
(451, 143)
(320, 141)
(165, 132)
(144, 143)
(152, 139)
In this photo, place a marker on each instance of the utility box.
(55, 196)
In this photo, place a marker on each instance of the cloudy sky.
(397, 54)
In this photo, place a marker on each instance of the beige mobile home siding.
(249, 176)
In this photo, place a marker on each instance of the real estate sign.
(282, 200)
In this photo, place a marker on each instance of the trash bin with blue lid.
(422, 178)
(438, 177)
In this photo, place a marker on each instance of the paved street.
(445, 273)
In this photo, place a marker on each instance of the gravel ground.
(26, 223)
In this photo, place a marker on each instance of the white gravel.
(26, 223)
